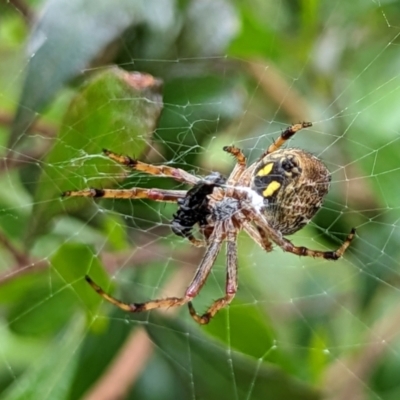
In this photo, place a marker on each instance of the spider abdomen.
(293, 184)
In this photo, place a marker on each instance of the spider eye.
(290, 165)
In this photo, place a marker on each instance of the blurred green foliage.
(172, 82)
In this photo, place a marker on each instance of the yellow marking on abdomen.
(271, 188)
(265, 170)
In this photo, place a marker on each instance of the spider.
(275, 196)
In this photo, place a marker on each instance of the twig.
(126, 368)
(20, 257)
(279, 90)
(21, 270)
(45, 129)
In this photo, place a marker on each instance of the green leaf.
(62, 45)
(195, 109)
(255, 38)
(213, 369)
(47, 301)
(318, 356)
(12, 290)
(72, 262)
(243, 322)
(94, 362)
(45, 310)
(115, 232)
(50, 377)
(116, 110)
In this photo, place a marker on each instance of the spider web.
(298, 327)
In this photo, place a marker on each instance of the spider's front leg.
(285, 135)
(237, 153)
(240, 166)
(231, 281)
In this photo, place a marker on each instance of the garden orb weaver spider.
(275, 196)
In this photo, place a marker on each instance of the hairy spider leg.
(231, 281)
(195, 242)
(133, 193)
(240, 166)
(285, 135)
(244, 175)
(195, 286)
(159, 170)
(237, 153)
(262, 241)
(266, 233)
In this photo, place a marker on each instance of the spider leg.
(197, 283)
(285, 135)
(265, 230)
(231, 281)
(206, 264)
(133, 193)
(328, 255)
(137, 307)
(237, 153)
(259, 237)
(240, 166)
(195, 242)
(160, 170)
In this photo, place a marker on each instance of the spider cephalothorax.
(275, 196)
